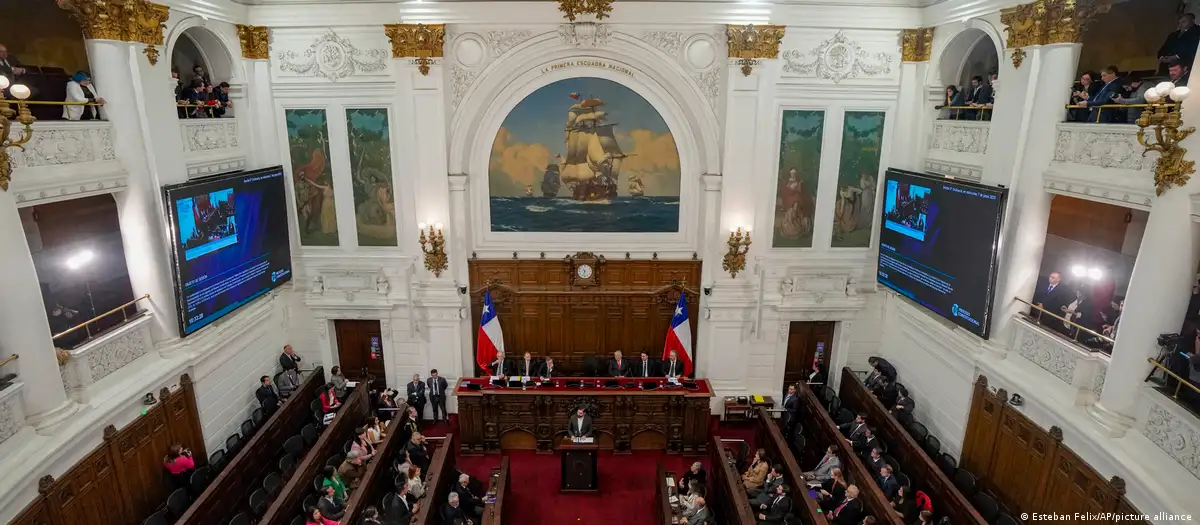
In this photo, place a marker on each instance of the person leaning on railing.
(1133, 93)
(81, 90)
(953, 97)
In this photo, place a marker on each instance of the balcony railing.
(957, 148)
(1079, 368)
(966, 112)
(98, 358)
(87, 325)
(66, 159)
(1101, 162)
(211, 145)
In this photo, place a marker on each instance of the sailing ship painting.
(612, 166)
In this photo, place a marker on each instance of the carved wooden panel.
(542, 312)
(37, 513)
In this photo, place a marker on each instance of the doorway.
(807, 340)
(360, 350)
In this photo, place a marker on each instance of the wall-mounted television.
(229, 242)
(938, 245)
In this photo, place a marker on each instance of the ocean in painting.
(550, 214)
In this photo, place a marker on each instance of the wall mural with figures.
(800, 137)
(312, 176)
(858, 174)
(371, 171)
(584, 155)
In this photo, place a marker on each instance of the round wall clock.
(584, 271)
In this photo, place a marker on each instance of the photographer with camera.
(179, 464)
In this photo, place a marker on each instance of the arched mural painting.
(584, 154)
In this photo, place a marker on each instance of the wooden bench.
(664, 484)
(821, 432)
(228, 493)
(769, 438)
(918, 466)
(493, 511)
(442, 476)
(726, 498)
(379, 479)
(287, 505)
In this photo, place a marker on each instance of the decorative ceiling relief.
(501, 42)
(669, 42)
(585, 34)
(470, 52)
(333, 57)
(837, 59)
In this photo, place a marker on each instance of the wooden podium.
(578, 466)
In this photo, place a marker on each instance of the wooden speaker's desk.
(579, 470)
(675, 419)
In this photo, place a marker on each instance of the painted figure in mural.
(328, 211)
(377, 214)
(798, 206)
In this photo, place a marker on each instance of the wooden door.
(805, 341)
(360, 350)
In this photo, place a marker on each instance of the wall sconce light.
(1163, 114)
(735, 258)
(19, 92)
(434, 246)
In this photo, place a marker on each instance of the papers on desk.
(670, 481)
(673, 500)
(351, 384)
(329, 417)
(584, 439)
(673, 380)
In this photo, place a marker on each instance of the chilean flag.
(679, 337)
(491, 338)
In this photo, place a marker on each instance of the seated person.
(875, 461)
(418, 451)
(268, 399)
(618, 367)
(760, 496)
(330, 505)
(527, 367)
(885, 390)
(756, 473)
(701, 515)
(854, 428)
(645, 367)
(454, 513)
(850, 511)
(376, 431)
(697, 473)
(833, 491)
(904, 505)
(471, 503)
(416, 486)
(179, 465)
(547, 370)
(334, 480)
(289, 381)
(672, 367)
(865, 441)
(826, 466)
(499, 367)
(688, 502)
(400, 506)
(579, 425)
(904, 405)
(362, 444)
(352, 468)
(371, 516)
(779, 507)
(887, 482)
(329, 399)
(315, 517)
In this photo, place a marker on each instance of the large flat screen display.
(229, 242)
(938, 245)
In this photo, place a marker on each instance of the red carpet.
(626, 482)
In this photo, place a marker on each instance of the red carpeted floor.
(626, 483)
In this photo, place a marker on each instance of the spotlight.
(1078, 270)
(1095, 273)
(80, 258)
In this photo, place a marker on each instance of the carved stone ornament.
(1048, 22)
(332, 57)
(128, 21)
(418, 41)
(584, 34)
(916, 44)
(572, 9)
(837, 59)
(255, 42)
(749, 44)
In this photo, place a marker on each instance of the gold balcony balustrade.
(86, 325)
(1078, 328)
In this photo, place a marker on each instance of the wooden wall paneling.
(545, 314)
(187, 417)
(85, 493)
(914, 462)
(982, 425)
(494, 512)
(1018, 468)
(727, 498)
(287, 504)
(441, 476)
(768, 437)
(37, 513)
(822, 432)
(229, 491)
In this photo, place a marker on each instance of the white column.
(1021, 145)
(460, 241)
(147, 141)
(24, 329)
(260, 115)
(912, 118)
(710, 244)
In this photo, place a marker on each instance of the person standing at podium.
(580, 425)
(618, 367)
(644, 368)
(527, 368)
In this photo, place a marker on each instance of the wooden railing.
(822, 432)
(914, 462)
(229, 491)
(442, 476)
(769, 438)
(378, 480)
(493, 511)
(727, 498)
(287, 505)
(662, 495)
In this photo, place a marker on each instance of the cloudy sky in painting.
(533, 134)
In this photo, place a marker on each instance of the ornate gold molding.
(419, 41)
(916, 44)
(126, 20)
(255, 41)
(572, 9)
(750, 43)
(1048, 22)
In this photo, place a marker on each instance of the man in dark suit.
(875, 460)
(700, 517)
(886, 392)
(289, 358)
(1111, 88)
(854, 428)
(778, 508)
(887, 482)
(527, 367)
(418, 453)
(645, 367)
(499, 367)
(1053, 296)
(579, 425)
(437, 395)
(330, 506)
(903, 404)
(672, 367)
(453, 512)
(850, 511)
(980, 94)
(618, 367)
(791, 404)
(547, 370)
(399, 506)
(470, 503)
(10, 67)
(1180, 45)
(267, 397)
(760, 497)
(416, 395)
(866, 440)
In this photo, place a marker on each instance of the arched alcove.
(192, 43)
(971, 52)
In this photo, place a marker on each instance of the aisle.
(626, 488)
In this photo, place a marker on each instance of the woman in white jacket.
(80, 89)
